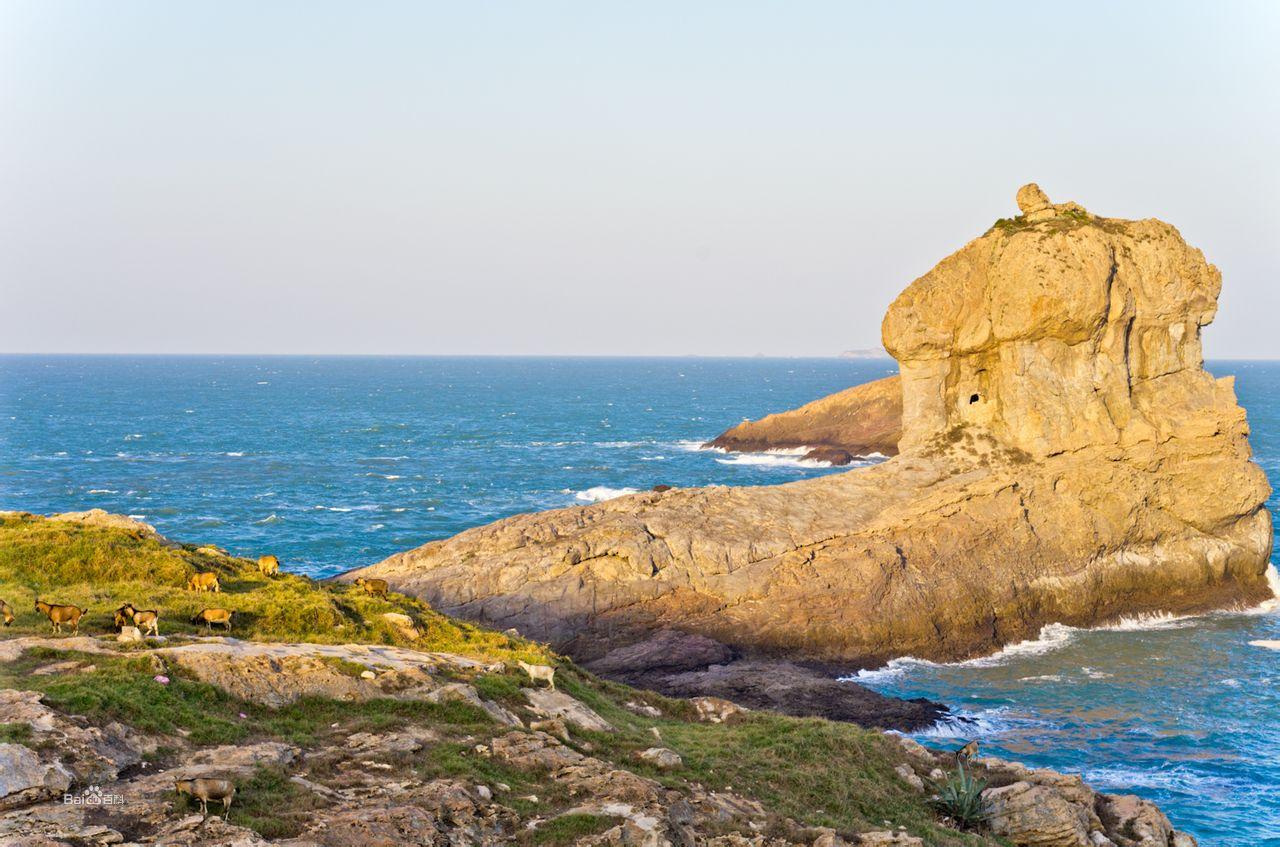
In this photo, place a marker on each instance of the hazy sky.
(598, 178)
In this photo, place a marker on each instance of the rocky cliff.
(858, 421)
(1064, 457)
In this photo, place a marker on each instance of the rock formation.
(858, 421)
(1064, 458)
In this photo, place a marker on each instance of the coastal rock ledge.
(1064, 457)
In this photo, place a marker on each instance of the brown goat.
(268, 565)
(205, 790)
(122, 616)
(373, 587)
(207, 581)
(145, 619)
(59, 615)
(6, 612)
(209, 617)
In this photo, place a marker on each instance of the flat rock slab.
(557, 704)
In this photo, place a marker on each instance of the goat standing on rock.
(205, 790)
(144, 619)
(537, 672)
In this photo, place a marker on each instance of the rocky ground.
(323, 760)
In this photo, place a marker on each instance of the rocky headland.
(861, 421)
(1063, 457)
(346, 718)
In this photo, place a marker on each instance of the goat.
(268, 565)
(58, 615)
(373, 587)
(122, 616)
(537, 672)
(205, 790)
(209, 617)
(207, 581)
(967, 752)
(144, 619)
(6, 612)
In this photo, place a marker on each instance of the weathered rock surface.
(1064, 458)
(690, 665)
(858, 421)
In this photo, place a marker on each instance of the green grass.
(273, 806)
(566, 829)
(15, 733)
(124, 689)
(102, 568)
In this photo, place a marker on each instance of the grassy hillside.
(101, 568)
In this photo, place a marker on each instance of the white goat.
(537, 672)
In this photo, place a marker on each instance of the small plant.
(960, 798)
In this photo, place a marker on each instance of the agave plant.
(960, 798)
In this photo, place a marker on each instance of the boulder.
(1028, 814)
(661, 758)
(1064, 457)
(1131, 821)
(403, 624)
(715, 709)
(25, 779)
(557, 704)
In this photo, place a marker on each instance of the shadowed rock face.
(855, 422)
(1064, 458)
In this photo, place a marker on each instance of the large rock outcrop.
(859, 421)
(1064, 457)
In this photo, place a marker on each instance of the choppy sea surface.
(335, 462)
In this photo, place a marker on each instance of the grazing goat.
(268, 565)
(967, 752)
(58, 615)
(205, 790)
(207, 581)
(121, 616)
(6, 612)
(209, 617)
(537, 672)
(373, 587)
(144, 619)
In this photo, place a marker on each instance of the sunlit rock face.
(1064, 457)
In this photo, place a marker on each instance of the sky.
(599, 178)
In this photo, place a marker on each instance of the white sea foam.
(102, 491)
(332, 508)
(596, 493)
(1052, 637)
(234, 453)
(773, 459)
(695, 446)
(270, 519)
(1151, 620)
(138, 517)
(1174, 778)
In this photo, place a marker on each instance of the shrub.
(960, 798)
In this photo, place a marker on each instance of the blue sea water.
(336, 462)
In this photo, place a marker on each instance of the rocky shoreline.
(390, 739)
(862, 421)
(1064, 458)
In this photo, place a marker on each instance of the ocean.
(335, 462)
